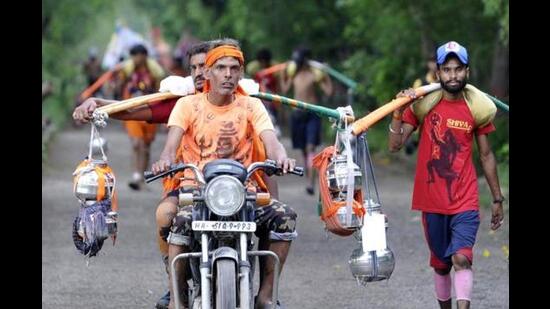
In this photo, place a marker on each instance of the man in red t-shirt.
(445, 186)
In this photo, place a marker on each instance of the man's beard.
(454, 89)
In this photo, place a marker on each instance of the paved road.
(316, 275)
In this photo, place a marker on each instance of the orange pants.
(141, 130)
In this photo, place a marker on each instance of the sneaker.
(310, 190)
(164, 301)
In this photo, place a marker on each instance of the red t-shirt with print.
(445, 180)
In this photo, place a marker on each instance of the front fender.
(225, 253)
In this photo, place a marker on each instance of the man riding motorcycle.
(223, 122)
(159, 113)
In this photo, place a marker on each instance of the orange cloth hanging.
(329, 206)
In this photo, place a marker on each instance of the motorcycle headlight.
(224, 195)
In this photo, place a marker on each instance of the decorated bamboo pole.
(499, 103)
(351, 84)
(101, 114)
(332, 72)
(98, 83)
(366, 122)
(358, 126)
(335, 74)
(322, 111)
(272, 69)
(135, 102)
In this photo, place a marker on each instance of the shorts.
(305, 128)
(277, 219)
(450, 234)
(141, 130)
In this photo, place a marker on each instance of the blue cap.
(452, 47)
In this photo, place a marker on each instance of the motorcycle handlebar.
(270, 168)
(174, 168)
(298, 171)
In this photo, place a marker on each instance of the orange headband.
(223, 51)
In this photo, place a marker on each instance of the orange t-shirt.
(218, 132)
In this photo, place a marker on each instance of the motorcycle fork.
(206, 275)
(244, 273)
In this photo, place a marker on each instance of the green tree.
(380, 44)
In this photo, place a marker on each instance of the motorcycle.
(222, 224)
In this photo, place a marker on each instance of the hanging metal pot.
(341, 215)
(337, 174)
(86, 188)
(371, 266)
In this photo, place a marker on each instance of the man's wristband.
(395, 132)
(500, 200)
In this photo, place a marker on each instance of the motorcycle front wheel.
(226, 294)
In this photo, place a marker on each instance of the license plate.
(224, 226)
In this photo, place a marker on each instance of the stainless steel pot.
(371, 266)
(87, 185)
(341, 215)
(337, 174)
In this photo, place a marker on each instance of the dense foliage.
(380, 44)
